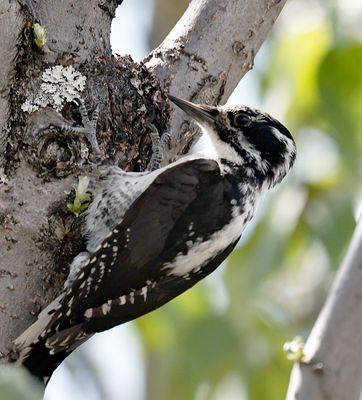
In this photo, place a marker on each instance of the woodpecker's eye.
(240, 120)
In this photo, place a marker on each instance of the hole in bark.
(53, 151)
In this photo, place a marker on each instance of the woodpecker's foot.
(89, 128)
(158, 147)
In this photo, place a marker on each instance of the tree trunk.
(202, 59)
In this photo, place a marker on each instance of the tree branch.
(209, 50)
(333, 369)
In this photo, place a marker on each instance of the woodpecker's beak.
(200, 112)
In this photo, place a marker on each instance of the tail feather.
(35, 332)
(40, 353)
(43, 357)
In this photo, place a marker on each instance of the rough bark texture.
(11, 22)
(333, 370)
(204, 57)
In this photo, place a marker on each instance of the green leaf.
(40, 35)
(83, 196)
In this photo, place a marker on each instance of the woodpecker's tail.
(40, 362)
(40, 351)
(44, 356)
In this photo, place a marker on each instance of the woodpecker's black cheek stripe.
(248, 161)
(231, 138)
(265, 142)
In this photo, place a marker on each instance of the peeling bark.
(203, 58)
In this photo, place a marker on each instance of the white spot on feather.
(131, 297)
(144, 292)
(106, 307)
(88, 313)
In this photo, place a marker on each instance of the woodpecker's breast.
(203, 239)
(198, 251)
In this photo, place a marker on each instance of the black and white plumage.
(153, 235)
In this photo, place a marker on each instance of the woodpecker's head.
(260, 144)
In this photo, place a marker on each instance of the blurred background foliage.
(18, 384)
(223, 339)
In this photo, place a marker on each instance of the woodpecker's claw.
(89, 128)
(158, 147)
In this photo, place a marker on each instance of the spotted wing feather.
(126, 277)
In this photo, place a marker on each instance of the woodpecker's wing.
(134, 270)
(186, 202)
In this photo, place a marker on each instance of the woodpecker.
(153, 235)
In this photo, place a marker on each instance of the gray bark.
(203, 58)
(11, 22)
(333, 367)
